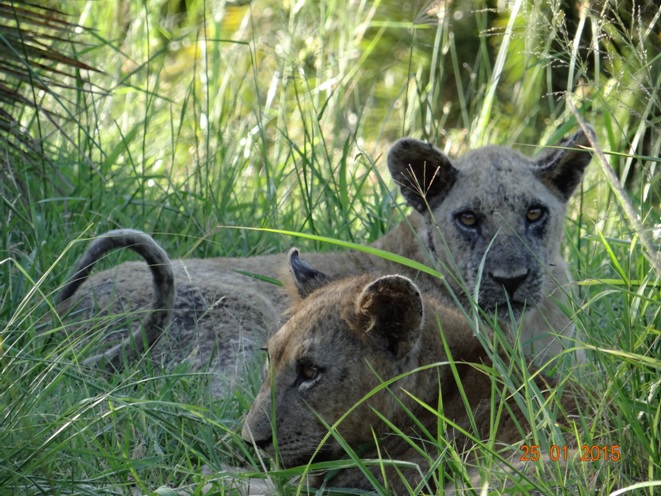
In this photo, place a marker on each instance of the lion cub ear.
(305, 277)
(423, 173)
(562, 169)
(390, 312)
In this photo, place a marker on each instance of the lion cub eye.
(309, 372)
(534, 214)
(467, 219)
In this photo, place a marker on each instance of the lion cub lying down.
(342, 339)
(491, 222)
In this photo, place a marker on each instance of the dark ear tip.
(302, 269)
(297, 264)
(306, 277)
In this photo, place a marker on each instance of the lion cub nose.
(510, 282)
(260, 443)
(248, 436)
(263, 443)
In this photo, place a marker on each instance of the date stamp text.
(589, 453)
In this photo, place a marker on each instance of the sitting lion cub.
(342, 340)
(491, 222)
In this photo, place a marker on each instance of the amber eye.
(467, 219)
(309, 372)
(534, 214)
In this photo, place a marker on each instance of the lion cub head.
(494, 217)
(342, 339)
(328, 355)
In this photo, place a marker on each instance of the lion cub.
(342, 340)
(491, 222)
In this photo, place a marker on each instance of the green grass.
(280, 118)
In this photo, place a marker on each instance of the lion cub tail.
(164, 290)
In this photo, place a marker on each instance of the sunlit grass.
(263, 116)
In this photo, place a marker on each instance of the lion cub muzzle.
(510, 282)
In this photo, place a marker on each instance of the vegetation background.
(181, 117)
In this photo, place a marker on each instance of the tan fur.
(222, 316)
(339, 340)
